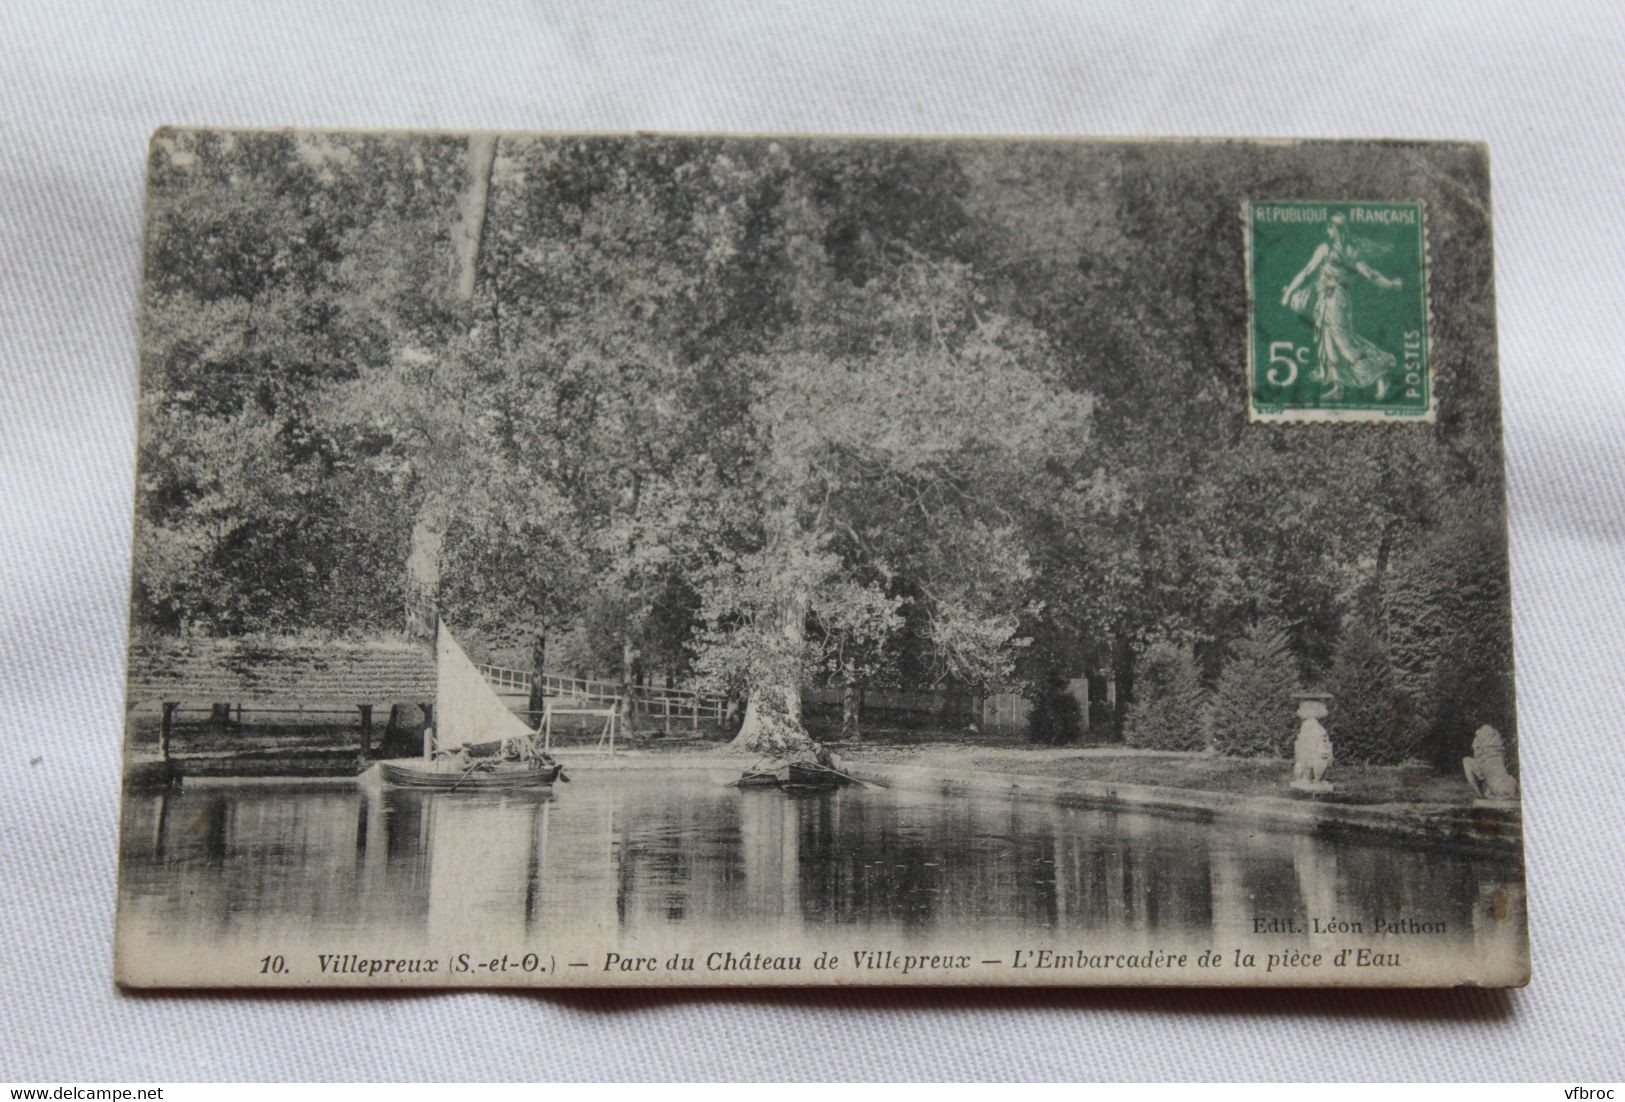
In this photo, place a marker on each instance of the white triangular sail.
(467, 710)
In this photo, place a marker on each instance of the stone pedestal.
(1312, 752)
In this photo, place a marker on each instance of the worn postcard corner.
(592, 560)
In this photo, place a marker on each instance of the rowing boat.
(797, 776)
(450, 775)
(812, 774)
(469, 716)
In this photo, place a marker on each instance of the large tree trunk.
(482, 150)
(433, 519)
(1122, 680)
(538, 671)
(851, 705)
(429, 530)
(772, 724)
(629, 658)
(793, 630)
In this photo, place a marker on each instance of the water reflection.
(638, 854)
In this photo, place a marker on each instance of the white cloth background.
(84, 84)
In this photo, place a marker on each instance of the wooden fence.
(671, 705)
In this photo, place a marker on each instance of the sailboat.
(476, 743)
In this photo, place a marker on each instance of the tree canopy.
(767, 413)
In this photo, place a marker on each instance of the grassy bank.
(1356, 784)
(333, 738)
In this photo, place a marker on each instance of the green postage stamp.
(1337, 311)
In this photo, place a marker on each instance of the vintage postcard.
(587, 560)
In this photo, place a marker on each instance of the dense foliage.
(1253, 702)
(1450, 652)
(1368, 723)
(1056, 717)
(1170, 709)
(759, 414)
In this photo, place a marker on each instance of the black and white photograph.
(589, 542)
(581, 560)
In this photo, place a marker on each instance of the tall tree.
(898, 445)
(439, 470)
(254, 514)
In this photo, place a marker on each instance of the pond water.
(637, 854)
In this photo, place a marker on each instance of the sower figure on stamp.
(1343, 357)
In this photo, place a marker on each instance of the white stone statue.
(1312, 752)
(1487, 769)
